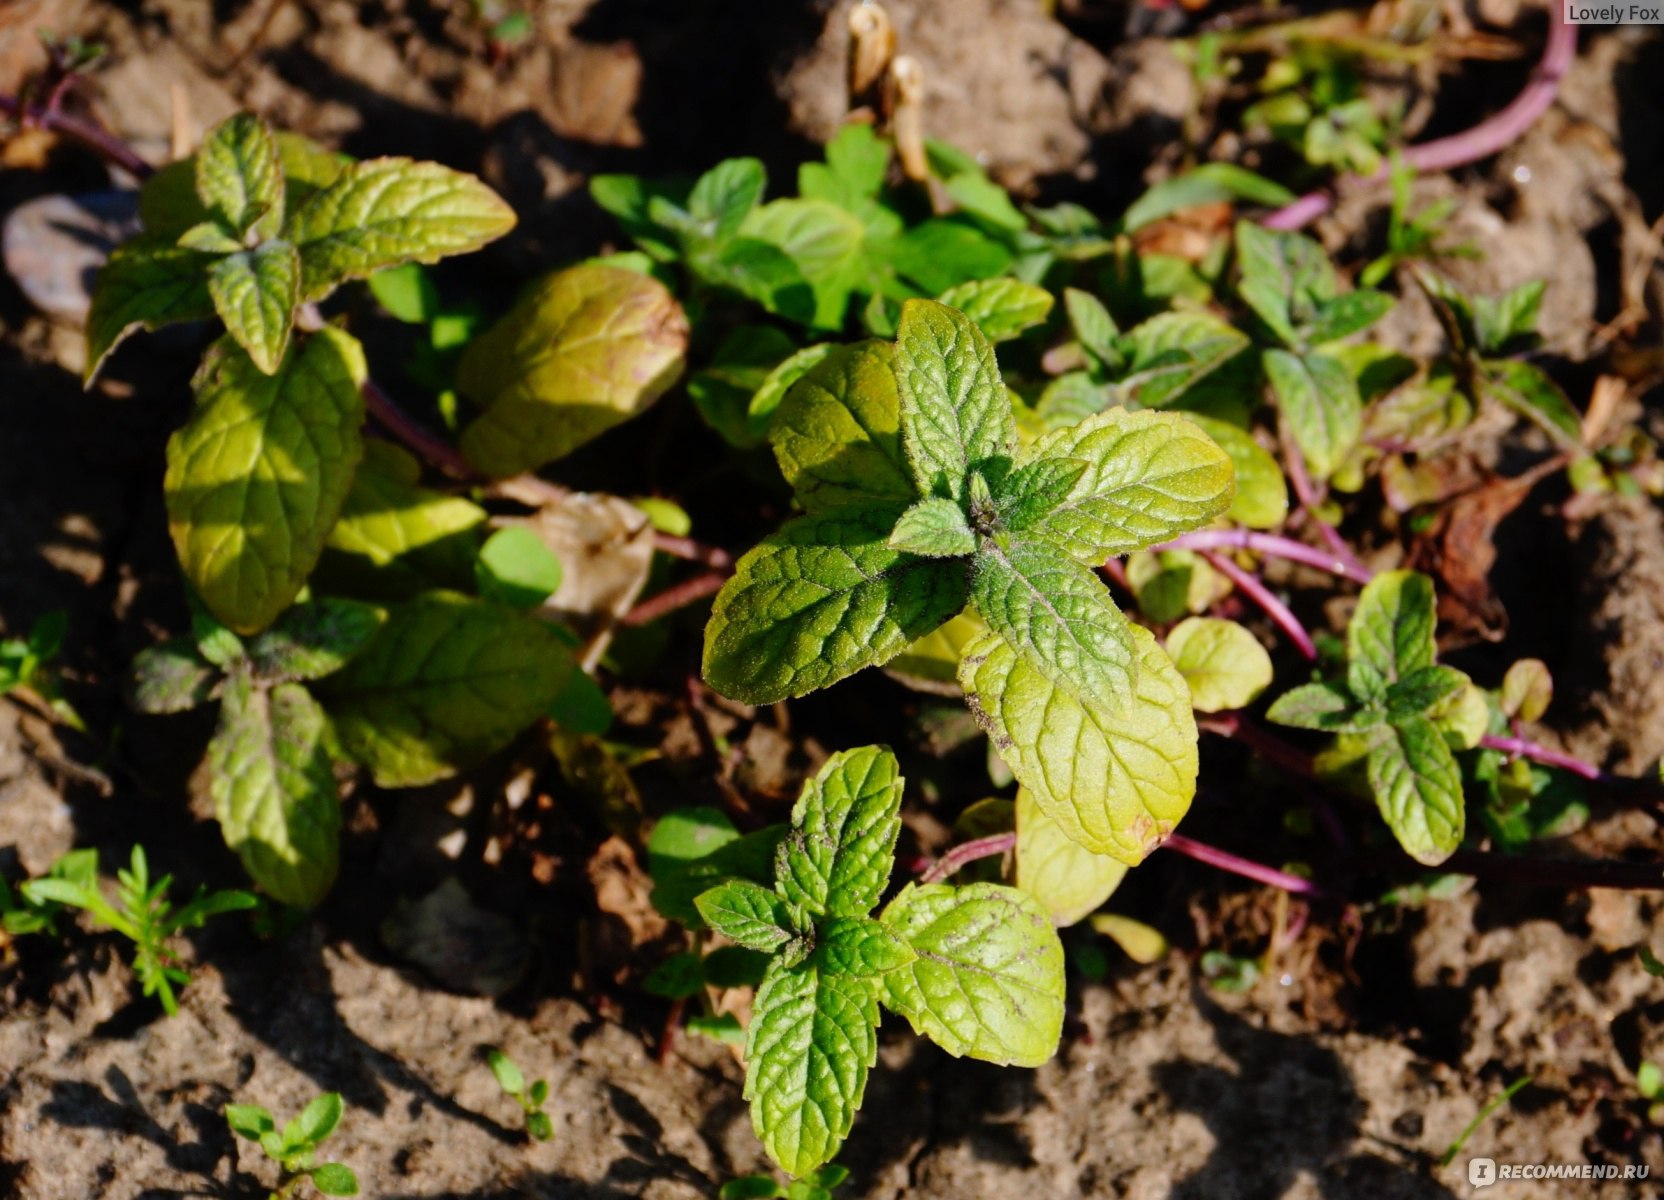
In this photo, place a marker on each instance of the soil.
(1368, 1046)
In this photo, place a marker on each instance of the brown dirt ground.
(1341, 1076)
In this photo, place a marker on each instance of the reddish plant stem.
(1263, 596)
(1271, 544)
(78, 129)
(1247, 868)
(1308, 496)
(1491, 135)
(432, 449)
(680, 547)
(966, 853)
(689, 591)
(1537, 752)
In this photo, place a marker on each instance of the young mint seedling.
(530, 1099)
(1398, 711)
(141, 913)
(295, 1150)
(919, 502)
(814, 1021)
(817, 1185)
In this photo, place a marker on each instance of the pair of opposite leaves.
(920, 503)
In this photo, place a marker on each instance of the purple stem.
(966, 853)
(1247, 868)
(78, 129)
(1488, 137)
(1553, 758)
(689, 591)
(1256, 591)
(1272, 544)
(1309, 499)
(436, 451)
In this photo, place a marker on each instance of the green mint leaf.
(823, 241)
(506, 1071)
(1001, 308)
(820, 599)
(337, 1179)
(944, 252)
(1261, 491)
(723, 390)
(258, 474)
(837, 858)
(935, 528)
(386, 211)
(517, 568)
(747, 914)
(214, 641)
(629, 199)
(1210, 183)
(955, 413)
(1528, 390)
(1171, 584)
(837, 432)
(255, 293)
(1327, 706)
(1527, 689)
(859, 946)
(1319, 399)
(1224, 665)
(274, 789)
(315, 1122)
(1455, 311)
(444, 683)
(1500, 319)
(249, 1121)
(1059, 617)
(1093, 327)
(1167, 356)
(146, 281)
(1423, 691)
(393, 538)
(1034, 491)
(1065, 878)
(272, 1144)
(314, 639)
(1340, 316)
(1391, 633)
(1150, 476)
(170, 677)
(987, 981)
(210, 237)
(811, 1041)
(1284, 277)
(1116, 782)
(239, 178)
(722, 196)
(753, 1187)
(678, 882)
(581, 351)
(766, 400)
(1418, 787)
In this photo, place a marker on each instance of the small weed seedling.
(1398, 713)
(918, 504)
(530, 1099)
(141, 913)
(813, 1034)
(295, 1150)
(817, 1185)
(26, 667)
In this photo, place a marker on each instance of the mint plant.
(141, 912)
(918, 503)
(1398, 713)
(295, 1149)
(530, 1099)
(817, 1185)
(814, 1021)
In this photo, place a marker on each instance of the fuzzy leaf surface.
(1001, 308)
(1318, 398)
(583, 350)
(837, 858)
(1033, 492)
(1116, 782)
(859, 946)
(934, 528)
(812, 1039)
(955, 413)
(314, 639)
(752, 916)
(258, 474)
(1149, 477)
(1058, 615)
(146, 281)
(1326, 706)
(818, 600)
(444, 683)
(170, 677)
(239, 177)
(837, 432)
(987, 981)
(274, 790)
(385, 211)
(1391, 633)
(255, 293)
